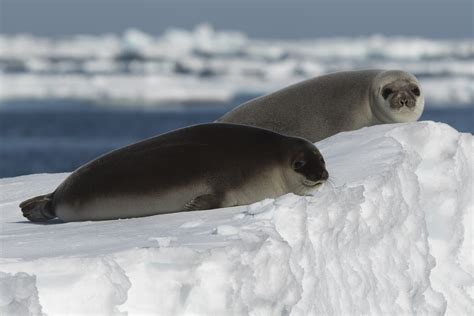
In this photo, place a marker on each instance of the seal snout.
(401, 96)
(324, 175)
(314, 180)
(403, 100)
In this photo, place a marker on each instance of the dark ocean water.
(49, 137)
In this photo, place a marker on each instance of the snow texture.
(391, 234)
(18, 294)
(137, 69)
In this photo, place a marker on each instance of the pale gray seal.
(323, 106)
(200, 167)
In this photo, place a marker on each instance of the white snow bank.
(18, 294)
(391, 234)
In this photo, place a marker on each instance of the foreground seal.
(200, 167)
(323, 106)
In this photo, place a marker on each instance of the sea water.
(59, 136)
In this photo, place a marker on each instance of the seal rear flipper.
(39, 208)
(204, 202)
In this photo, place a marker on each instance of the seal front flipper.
(39, 208)
(204, 202)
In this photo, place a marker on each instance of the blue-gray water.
(49, 137)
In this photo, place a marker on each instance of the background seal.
(323, 106)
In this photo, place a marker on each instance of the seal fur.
(200, 167)
(323, 106)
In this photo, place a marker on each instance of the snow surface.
(391, 234)
(139, 69)
(18, 294)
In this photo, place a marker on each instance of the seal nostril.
(324, 175)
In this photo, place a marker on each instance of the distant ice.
(392, 234)
(203, 64)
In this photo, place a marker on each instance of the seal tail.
(39, 208)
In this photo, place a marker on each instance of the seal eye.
(386, 92)
(321, 160)
(298, 164)
(416, 91)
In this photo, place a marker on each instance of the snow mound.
(18, 294)
(390, 234)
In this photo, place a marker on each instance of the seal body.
(323, 106)
(200, 167)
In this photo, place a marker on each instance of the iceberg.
(390, 234)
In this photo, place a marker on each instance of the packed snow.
(140, 69)
(18, 294)
(391, 234)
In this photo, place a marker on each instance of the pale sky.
(257, 18)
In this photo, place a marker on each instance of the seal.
(323, 106)
(195, 168)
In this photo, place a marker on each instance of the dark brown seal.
(195, 168)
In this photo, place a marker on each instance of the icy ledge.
(393, 234)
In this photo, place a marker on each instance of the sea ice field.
(212, 65)
(390, 234)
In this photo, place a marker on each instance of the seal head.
(396, 97)
(307, 163)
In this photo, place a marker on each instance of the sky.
(258, 18)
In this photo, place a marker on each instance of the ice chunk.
(391, 234)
